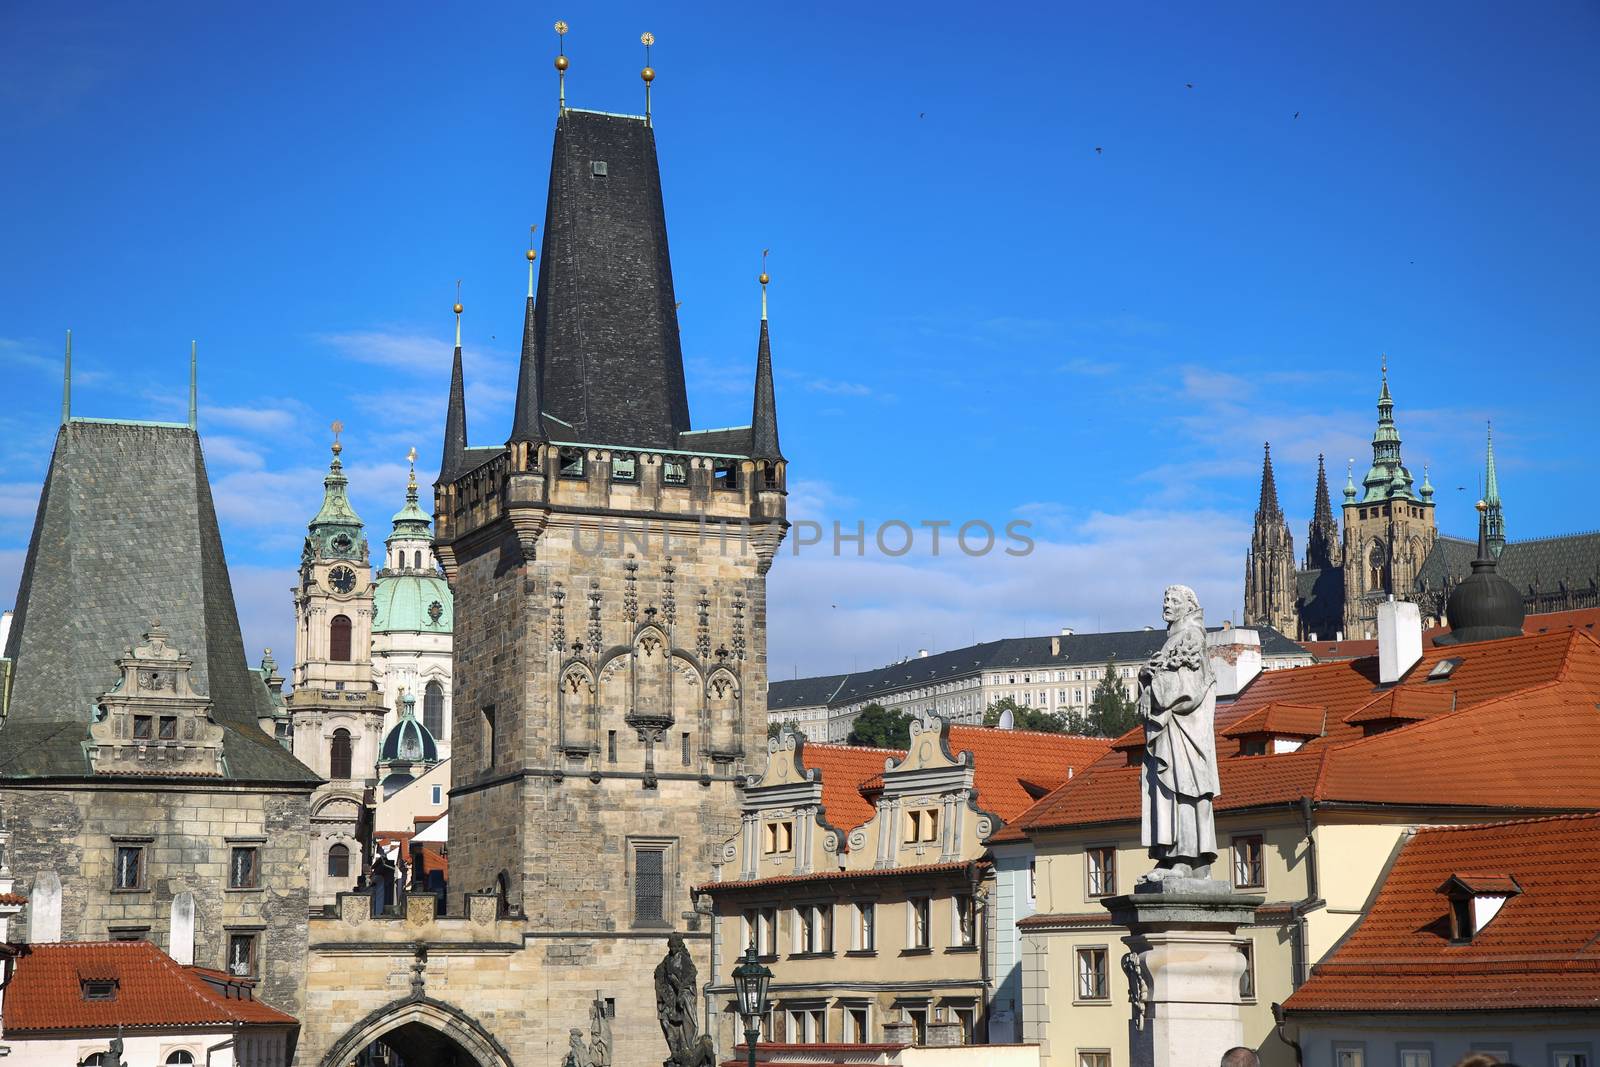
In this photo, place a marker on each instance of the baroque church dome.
(408, 741)
(410, 595)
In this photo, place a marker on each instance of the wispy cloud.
(838, 388)
(417, 352)
(254, 419)
(1091, 368)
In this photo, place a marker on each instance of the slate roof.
(153, 991)
(1540, 565)
(1539, 952)
(1021, 653)
(607, 327)
(1516, 725)
(1587, 619)
(126, 531)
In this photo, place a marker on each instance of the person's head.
(1179, 602)
(1239, 1056)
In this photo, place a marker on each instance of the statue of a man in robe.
(1177, 704)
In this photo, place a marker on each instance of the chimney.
(922, 653)
(1399, 639)
(1066, 631)
(1235, 657)
(1055, 646)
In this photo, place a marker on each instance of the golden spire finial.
(648, 73)
(337, 428)
(764, 279)
(532, 255)
(561, 60)
(458, 312)
(411, 458)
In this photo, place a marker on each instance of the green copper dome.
(411, 603)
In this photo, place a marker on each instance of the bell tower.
(336, 712)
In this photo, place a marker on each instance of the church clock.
(341, 579)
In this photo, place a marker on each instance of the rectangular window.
(242, 953)
(856, 1023)
(922, 826)
(1349, 1056)
(1094, 1057)
(438, 794)
(1247, 980)
(866, 927)
(966, 925)
(1569, 1058)
(649, 885)
(141, 727)
(919, 933)
(1102, 871)
(1249, 866)
(488, 737)
(966, 1017)
(242, 868)
(624, 468)
(769, 932)
(777, 838)
(1092, 977)
(168, 727)
(611, 746)
(918, 1018)
(808, 1026)
(1416, 1057)
(129, 933)
(129, 873)
(1033, 881)
(813, 928)
(673, 472)
(686, 750)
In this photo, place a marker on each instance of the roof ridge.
(1575, 816)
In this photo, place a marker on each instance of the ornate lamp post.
(750, 981)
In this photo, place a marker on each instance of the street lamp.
(750, 981)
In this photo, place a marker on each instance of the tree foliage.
(776, 728)
(1111, 712)
(881, 728)
(1024, 718)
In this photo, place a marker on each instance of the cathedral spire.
(455, 419)
(1322, 542)
(1387, 477)
(527, 425)
(1268, 507)
(764, 415)
(1493, 515)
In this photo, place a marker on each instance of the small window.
(725, 475)
(1094, 1058)
(1033, 880)
(129, 872)
(918, 1018)
(673, 472)
(339, 754)
(1249, 862)
(242, 868)
(922, 826)
(813, 931)
(1247, 980)
(624, 468)
(181, 1055)
(966, 924)
(685, 750)
(920, 927)
(141, 727)
(597, 168)
(339, 639)
(1253, 746)
(1093, 983)
(778, 838)
(99, 988)
(856, 1025)
(433, 708)
(488, 737)
(168, 728)
(438, 794)
(338, 861)
(1416, 1057)
(1349, 1056)
(128, 933)
(649, 885)
(1102, 871)
(1569, 1058)
(866, 927)
(242, 954)
(571, 463)
(417, 559)
(1443, 669)
(611, 746)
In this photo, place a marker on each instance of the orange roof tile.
(1281, 720)
(45, 992)
(845, 768)
(1514, 726)
(1006, 762)
(1548, 622)
(1538, 952)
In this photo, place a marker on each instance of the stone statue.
(577, 1051)
(599, 1034)
(1177, 704)
(676, 996)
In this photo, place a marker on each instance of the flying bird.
(1098, 150)
(678, 305)
(922, 114)
(1297, 114)
(1188, 85)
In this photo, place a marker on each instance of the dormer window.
(1443, 669)
(98, 988)
(1475, 899)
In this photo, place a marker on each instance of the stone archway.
(422, 1031)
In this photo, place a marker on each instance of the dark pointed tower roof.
(1387, 478)
(1268, 508)
(455, 420)
(764, 415)
(1322, 541)
(1491, 498)
(126, 532)
(527, 424)
(1484, 606)
(606, 317)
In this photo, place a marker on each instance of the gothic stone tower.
(336, 710)
(609, 569)
(1388, 528)
(1269, 577)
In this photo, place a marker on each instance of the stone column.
(1183, 965)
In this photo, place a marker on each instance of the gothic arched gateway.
(421, 1030)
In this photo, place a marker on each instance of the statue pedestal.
(1184, 964)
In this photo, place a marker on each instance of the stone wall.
(185, 830)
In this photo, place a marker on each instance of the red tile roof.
(1281, 720)
(836, 876)
(153, 991)
(845, 768)
(1538, 952)
(1006, 762)
(1548, 622)
(1514, 726)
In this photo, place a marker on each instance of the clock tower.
(336, 710)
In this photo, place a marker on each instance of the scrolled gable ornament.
(1177, 705)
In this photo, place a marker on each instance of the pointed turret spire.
(336, 516)
(1493, 515)
(194, 385)
(527, 424)
(66, 384)
(1322, 542)
(1268, 507)
(1350, 481)
(764, 415)
(1388, 477)
(455, 418)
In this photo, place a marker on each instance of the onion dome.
(1484, 606)
(1350, 482)
(1427, 486)
(411, 603)
(408, 741)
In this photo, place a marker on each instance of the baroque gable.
(152, 721)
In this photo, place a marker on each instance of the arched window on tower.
(339, 861)
(433, 710)
(339, 754)
(418, 563)
(339, 639)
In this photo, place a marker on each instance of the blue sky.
(975, 313)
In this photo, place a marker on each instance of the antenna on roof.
(561, 61)
(648, 73)
(194, 391)
(66, 384)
